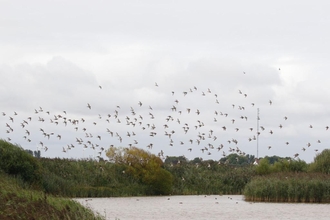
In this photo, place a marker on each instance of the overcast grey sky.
(54, 55)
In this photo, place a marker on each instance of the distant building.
(256, 161)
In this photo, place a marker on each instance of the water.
(202, 207)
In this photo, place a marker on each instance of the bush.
(290, 166)
(160, 182)
(264, 167)
(15, 161)
(145, 167)
(321, 162)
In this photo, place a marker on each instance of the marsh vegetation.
(21, 192)
(291, 181)
(43, 183)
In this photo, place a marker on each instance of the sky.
(142, 65)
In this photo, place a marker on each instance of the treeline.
(132, 172)
(127, 172)
(135, 172)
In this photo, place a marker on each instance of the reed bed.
(88, 178)
(289, 187)
(190, 179)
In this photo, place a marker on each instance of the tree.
(235, 159)
(274, 159)
(321, 162)
(263, 167)
(29, 151)
(250, 158)
(175, 160)
(284, 165)
(197, 160)
(143, 166)
(35, 153)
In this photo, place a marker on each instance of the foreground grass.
(19, 202)
(289, 187)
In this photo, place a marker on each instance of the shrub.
(321, 162)
(15, 161)
(263, 167)
(298, 166)
(290, 166)
(160, 182)
(147, 168)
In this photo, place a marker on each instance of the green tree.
(284, 165)
(37, 153)
(281, 166)
(235, 159)
(264, 167)
(175, 160)
(321, 162)
(250, 158)
(274, 159)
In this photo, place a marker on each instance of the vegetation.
(21, 196)
(291, 181)
(19, 203)
(144, 167)
(135, 172)
(289, 187)
(208, 177)
(15, 161)
(282, 165)
(88, 178)
(30, 182)
(321, 162)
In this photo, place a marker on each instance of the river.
(201, 207)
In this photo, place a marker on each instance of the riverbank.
(19, 201)
(22, 195)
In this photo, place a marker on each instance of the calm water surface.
(202, 207)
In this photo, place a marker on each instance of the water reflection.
(202, 207)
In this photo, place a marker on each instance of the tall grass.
(209, 178)
(19, 203)
(289, 187)
(291, 181)
(88, 178)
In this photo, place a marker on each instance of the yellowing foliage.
(143, 166)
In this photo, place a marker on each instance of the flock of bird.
(182, 127)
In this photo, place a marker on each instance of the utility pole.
(258, 133)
